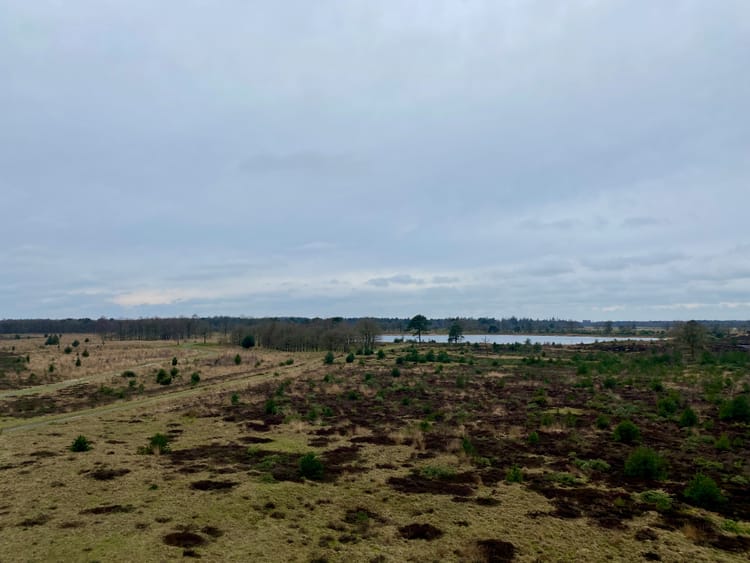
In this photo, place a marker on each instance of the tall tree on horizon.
(418, 324)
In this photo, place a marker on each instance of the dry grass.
(52, 509)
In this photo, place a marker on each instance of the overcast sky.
(583, 159)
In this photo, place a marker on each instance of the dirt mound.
(107, 474)
(108, 509)
(184, 539)
(420, 532)
(212, 531)
(496, 551)
(208, 485)
(255, 440)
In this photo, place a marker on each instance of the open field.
(433, 453)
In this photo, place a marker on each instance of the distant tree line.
(337, 333)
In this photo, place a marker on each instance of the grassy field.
(619, 452)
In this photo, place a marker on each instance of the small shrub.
(688, 418)
(737, 409)
(609, 382)
(68, 350)
(328, 359)
(722, 443)
(271, 407)
(78, 362)
(436, 472)
(80, 444)
(195, 378)
(514, 475)
(703, 491)
(76, 344)
(237, 360)
(645, 463)
(381, 355)
(235, 399)
(128, 373)
(174, 361)
(626, 432)
(589, 465)
(157, 444)
(163, 378)
(310, 467)
(52, 340)
(666, 407)
(349, 358)
(395, 372)
(174, 372)
(248, 341)
(467, 447)
(602, 422)
(85, 353)
(533, 438)
(661, 500)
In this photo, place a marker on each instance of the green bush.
(626, 432)
(722, 443)
(395, 372)
(76, 344)
(328, 359)
(248, 341)
(68, 350)
(666, 407)
(235, 399)
(310, 467)
(128, 373)
(80, 444)
(85, 353)
(437, 472)
(602, 422)
(533, 438)
(163, 378)
(271, 407)
(467, 446)
(195, 378)
(514, 475)
(157, 444)
(237, 359)
(703, 491)
(688, 418)
(737, 409)
(381, 355)
(589, 465)
(645, 463)
(349, 358)
(78, 361)
(52, 340)
(661, 500)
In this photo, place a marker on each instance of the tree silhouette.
(418, 324)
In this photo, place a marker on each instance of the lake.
(516, 338)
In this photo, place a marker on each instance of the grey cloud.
(445, 279)
(624, 262)
(398, 279)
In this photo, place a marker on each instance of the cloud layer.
(583, 160)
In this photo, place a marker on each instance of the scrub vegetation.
(387, 452)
